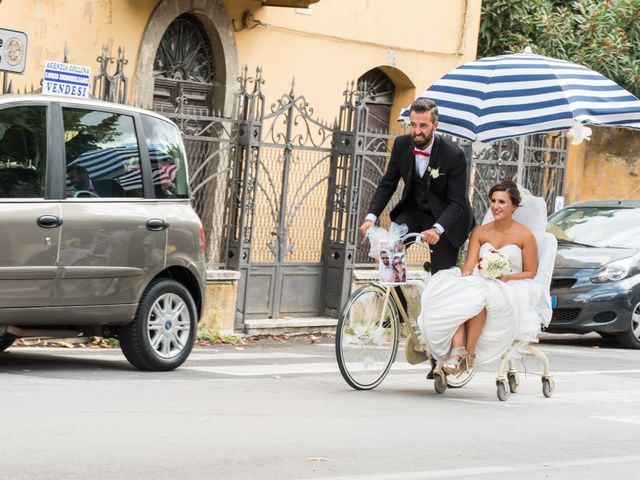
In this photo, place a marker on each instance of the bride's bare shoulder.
(525, 234)
(523, 229)
(482, 230)
(485, 227)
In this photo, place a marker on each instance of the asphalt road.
(280, 410)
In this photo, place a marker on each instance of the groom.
(434, 199)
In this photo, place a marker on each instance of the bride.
(468, 319)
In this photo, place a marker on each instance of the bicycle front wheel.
(367, 337)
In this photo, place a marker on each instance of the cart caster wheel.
(547, 387)
(502, 391)
(514, 382)
(440, 383)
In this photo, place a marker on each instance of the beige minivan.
(98, 236)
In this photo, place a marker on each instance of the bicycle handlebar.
(417, 236)
(417, 239)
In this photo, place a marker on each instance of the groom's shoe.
(433, 367)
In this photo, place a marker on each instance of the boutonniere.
(434, 172)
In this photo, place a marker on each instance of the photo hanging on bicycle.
(392, 263)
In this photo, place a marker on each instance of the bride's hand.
(466, 273)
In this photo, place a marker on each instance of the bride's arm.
(473, 253)
(529, 260)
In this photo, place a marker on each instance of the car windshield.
(597, 226)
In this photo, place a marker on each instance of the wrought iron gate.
(537, 162)
(211, 143)
(280, 193)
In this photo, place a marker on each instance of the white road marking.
(633, 419)
(489, 470)
(595, 372)
(116, 354)
(492, 403)
(600, 397)
(284, 369)
(254, 355)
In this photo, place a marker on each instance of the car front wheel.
(163, 332)
(6, 341)
(631, 338)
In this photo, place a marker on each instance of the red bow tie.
(420, 152)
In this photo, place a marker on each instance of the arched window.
(184, 66)
(378, 96)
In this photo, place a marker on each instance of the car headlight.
(614, 271)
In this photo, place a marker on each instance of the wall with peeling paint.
(606, 167)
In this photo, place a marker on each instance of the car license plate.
(554, 301)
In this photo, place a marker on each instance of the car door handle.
(49, 221)
(156, 224)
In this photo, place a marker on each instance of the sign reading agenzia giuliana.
(13, 50)
(66, 79)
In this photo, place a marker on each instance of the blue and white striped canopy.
(521, 94)
(122, 163)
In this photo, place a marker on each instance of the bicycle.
(368, 335)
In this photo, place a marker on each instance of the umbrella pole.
(520, 171)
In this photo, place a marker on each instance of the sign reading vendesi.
(13, 50)
(66, 79)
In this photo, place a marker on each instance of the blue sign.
(66, 79)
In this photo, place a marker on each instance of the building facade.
(265, 92)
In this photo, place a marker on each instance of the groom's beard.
(421, 141)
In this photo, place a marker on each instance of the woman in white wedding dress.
(468, 319)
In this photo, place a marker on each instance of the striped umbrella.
(508, 96)
(122, 163)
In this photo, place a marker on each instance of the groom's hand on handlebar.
(430, 236)
(366, 225)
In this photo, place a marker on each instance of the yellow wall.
(414, 41)
(85, 26)
(605, 168)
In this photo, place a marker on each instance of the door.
(113, 239)
(30, 230)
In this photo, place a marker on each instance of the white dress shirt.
(422, 161)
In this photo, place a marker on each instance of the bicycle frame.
(415, 351)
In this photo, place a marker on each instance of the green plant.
(602, 35)
(214, 335)
(112, 342)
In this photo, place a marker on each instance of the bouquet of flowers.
(494, 264)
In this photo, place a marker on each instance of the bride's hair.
(511, 188)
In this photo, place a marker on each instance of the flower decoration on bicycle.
(387, 246)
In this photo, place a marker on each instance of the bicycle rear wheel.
(367, 337)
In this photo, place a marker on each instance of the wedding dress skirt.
(515, 309)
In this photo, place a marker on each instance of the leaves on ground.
(82, 342)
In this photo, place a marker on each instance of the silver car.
(596, 280)
(98, 236)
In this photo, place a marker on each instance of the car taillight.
(202, 239)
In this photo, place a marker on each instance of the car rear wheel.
(631, 338)
(6, 341)
(163, 332)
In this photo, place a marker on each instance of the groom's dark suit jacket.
(443, 198)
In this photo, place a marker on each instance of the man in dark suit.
(434, 200)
